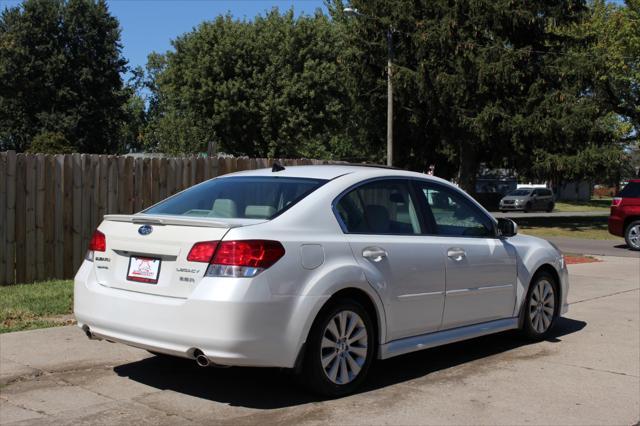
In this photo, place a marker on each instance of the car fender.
(322, 286)
(532, 253)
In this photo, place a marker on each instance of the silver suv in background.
(528, 199)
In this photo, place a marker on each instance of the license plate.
(143, 269)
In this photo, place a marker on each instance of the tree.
(60, 72)
(50, 143)
(476, 82)
(614, 56)
(269, 87)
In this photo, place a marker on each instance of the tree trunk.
(467, 167)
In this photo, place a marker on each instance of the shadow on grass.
(270, 388)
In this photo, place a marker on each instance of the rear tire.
(550, 207)
(632, 235)
(340, 350)
(541, 307)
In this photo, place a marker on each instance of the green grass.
(599, 204)
(29, 306)
(591, 228)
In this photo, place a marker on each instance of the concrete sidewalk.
(588, 373)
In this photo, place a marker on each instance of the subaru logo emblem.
(145, 230)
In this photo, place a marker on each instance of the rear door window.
(241, 197)
(379, 207)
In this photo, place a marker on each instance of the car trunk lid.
(153, 260)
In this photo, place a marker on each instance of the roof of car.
(330, 171)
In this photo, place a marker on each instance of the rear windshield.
(631, 190)
(520, 192)
(246, 197)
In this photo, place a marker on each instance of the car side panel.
(532, 253)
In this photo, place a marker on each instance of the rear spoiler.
(179, 220)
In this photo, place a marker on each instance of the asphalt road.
(595, 247)
(519, 214)
(587, 373)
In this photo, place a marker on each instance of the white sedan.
(320, 269)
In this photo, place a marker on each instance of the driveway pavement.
(587, 373)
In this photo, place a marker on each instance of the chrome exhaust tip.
(201, 359)
(87, 332)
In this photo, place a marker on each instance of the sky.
(150, 25)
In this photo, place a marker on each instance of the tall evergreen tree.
(60, 73)
(476, 82)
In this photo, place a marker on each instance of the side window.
(454, 215)
(379, 207)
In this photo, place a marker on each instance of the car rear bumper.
(616, 226)
(245, 328)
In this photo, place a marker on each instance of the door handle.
(375, 254)
(456, 254)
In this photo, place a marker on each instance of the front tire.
(341, 348)
(541, 307)
(632, 235)
(527, 208)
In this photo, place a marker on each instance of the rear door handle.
(375, 254)
(456, 254)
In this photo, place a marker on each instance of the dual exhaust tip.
(201, 358)
(89, 334)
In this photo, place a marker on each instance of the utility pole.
(354, 12)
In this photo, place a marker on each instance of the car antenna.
(277, 167)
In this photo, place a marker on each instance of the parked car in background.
(624, 219)
(528, 199)
(319, 269)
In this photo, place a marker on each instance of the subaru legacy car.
(528, 199)
(317, 269)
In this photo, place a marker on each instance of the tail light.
(244, 258)
(202, 251)
(615, 202)
(98, 243)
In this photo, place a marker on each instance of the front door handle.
(375, 254)
(456, 254)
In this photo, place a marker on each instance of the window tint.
(260, 197)
(380, 207)
(454, 215)
(631, 190)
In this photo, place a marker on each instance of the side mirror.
(507, 227)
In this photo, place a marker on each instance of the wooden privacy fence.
(51, 204)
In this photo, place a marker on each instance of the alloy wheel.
(634, 236)
(343, 350)
(542, 306)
